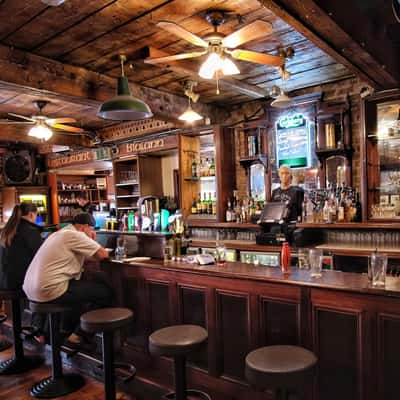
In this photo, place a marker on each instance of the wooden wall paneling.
(387, 349)
(233, 331)
(158, 305)
(189, 148)
(192, 310)
(279, 322)
(338, 331)
(211, 311)
(150, 175)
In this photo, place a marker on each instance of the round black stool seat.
(285, 367)
(20, 362)
(106, 319)
(58, 384)
(177, 340)
(46, 308)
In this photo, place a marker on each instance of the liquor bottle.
(207, 168)
(199, 206)
(201, 167)
(228, 215)
(194, 207)
(285, 258)
(212, 168)
(326, 212)
(342, 208)
(214, 204)
(131, 221)
(358, 214)
(194, 169)
(204, 204)
(209, 204)
(304, 210)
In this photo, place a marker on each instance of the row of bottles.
(76, 186)
(243, 210)
(340, 204)
(203, 168)
(205, 205)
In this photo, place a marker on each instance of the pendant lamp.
(124, 107)
(282, 101)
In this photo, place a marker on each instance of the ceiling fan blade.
(52, 121)
(67, 128)
(175, 57)
(249, 32)
(259, 58)
(177, 30)
(12, 122)
(22, 117)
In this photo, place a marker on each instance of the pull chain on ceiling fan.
(219, 47)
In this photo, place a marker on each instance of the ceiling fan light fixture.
(229, 67)
(282, 101)
(40, 131)
(210, 66)
(124, 107)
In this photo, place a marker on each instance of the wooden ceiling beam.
(183, 67)
(77, 84)
(318, 26)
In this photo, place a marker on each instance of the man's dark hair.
(84, 219)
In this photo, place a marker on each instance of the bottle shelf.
(127, 183)
(201, 178)
(128, 208)
(126, 196)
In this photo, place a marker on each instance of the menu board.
(293, 141)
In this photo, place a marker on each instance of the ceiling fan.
(41, 123)
(217, 46)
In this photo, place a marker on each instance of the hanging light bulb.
(40, 131)
(190, 115)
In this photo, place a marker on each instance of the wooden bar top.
(335, 280)
(351, 225)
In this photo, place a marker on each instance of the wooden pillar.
(52, 182)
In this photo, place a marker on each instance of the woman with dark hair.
(19, 241)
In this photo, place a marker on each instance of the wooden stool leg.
(108, 365)
(180, 377)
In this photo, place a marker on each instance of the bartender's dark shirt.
(294, 196)
(15, 259)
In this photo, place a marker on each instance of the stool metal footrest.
(50, 387)
(123, 371)
(20, 365)
(3, 317)
(190, 393)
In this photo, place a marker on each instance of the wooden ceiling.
(90, 34)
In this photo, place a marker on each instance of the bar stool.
(4, 343)
(178, 341)
(106, 321)
(20, 362)
(286, 368)
(58, 384)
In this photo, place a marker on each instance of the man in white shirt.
(55, 271)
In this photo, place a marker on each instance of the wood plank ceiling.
(91, 34)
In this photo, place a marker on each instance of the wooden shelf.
(342, 250)
(77, 190)
(352, 225)
(259, 158)
(125, 196)
(127, 183)
(128, 208)
(229, 225)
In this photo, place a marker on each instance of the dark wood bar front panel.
(353, 332)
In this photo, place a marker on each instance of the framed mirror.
(257, 181)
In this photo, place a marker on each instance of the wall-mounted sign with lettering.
(293, 141)
(79, 158)
(147, 146)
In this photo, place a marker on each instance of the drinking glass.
(315, 256)
(220, 250)
(378, 266)
(303, 258)
(120, 251)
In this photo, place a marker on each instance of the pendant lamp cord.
(122, 57)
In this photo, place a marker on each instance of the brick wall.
(332, 92)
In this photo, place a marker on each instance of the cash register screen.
(273, 212)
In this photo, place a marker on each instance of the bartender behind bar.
(286, 193)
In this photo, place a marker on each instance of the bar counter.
(352, 327)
